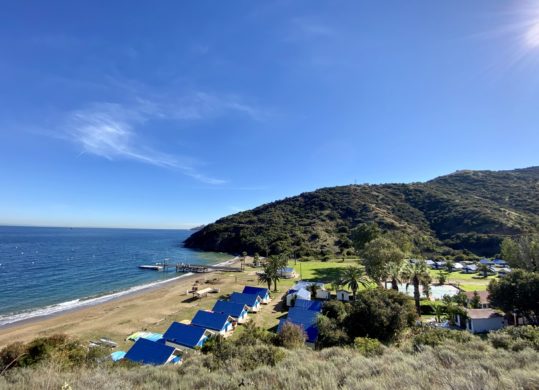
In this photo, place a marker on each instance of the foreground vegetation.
(426, 359)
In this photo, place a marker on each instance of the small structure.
(297, 294)
(238, 311)
(145, 335)
(430, 263)
(323, 294)
(218, 322)
(439, 264)
(263, 293)
(502, 272)
(251, 300)
(486, 262)
(481, 320)
(458, 266)
(499, 263)
(306, 319)
(308, 305)
(149, 352)
(469, 269)
(483, 298)
(204, 292)
(344, 296)
(183, 336)
(287, 273)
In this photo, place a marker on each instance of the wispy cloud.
(113, 130)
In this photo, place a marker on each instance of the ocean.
(49, 270)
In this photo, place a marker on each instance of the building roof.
(233, 309)
(186, 335)
(309, 305)
(482, 314)
(483, 296)
(499, 262)
(303, 294)
(260, 291)
(149, 352)
(287, 269)
(486, 261)
(247, 299)
(471, 267)
(305, 284)
(209, 320)
(307, 319)
(458, 266)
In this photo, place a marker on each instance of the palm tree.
(353, 277)
(416, 273)
(394, 272)
(483, 269)
(265, 277)
(313, 288)
(438, 312)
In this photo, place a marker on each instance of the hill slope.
(467, 210)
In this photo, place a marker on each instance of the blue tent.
(215, 321)
(260, 291)
(251, 300)
(149, 352)
(486, 261)
(499, 262)
(307, 319)
(186, 335)
(309, 305)
(236, 310)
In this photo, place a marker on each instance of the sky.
(172, 114)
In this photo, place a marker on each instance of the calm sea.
(48, 270)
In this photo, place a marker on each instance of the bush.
(336, 310)
(435, 336)
(330, 334)
(291, 336)
(516, 338)
(368, 347)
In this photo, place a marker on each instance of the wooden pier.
(193, 268)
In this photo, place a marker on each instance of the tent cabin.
(292, 295)
(235, 310)
(306, 319)
(149, 352)
(263, 293)
(430, 263)
(458, 266)
(308, 305)
(287, 273)
(481, 320)
(486, 262)
(323, 294)
(184, 336)
(344, 296)
(504, 271)
(499, 263)
(251, 300)
(469, 269)
(483, 298)
(439, 264)
(218, 322)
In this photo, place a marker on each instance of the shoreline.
(177, 284)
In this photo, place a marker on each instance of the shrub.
(291, 336)
(516, 338)
(330, 334)
(435, 336)
(368, 347)
(335, 310)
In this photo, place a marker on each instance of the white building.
(481, 320)
(344, 296)
(301, 290)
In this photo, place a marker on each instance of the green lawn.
(324, 271)
(467, 282)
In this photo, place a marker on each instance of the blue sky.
(174, 114)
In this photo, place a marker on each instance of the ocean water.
(48, 270)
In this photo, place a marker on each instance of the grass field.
(466, 282)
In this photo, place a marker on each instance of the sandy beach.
(153, 309)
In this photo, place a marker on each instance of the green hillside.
(466, 212)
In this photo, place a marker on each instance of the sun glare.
(532, 36)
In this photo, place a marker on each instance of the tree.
(475, 302)
(377, 255)
(438, 312)
(313, 288)
(273, 267)
(242, 260)
(483, 269)
(353, 277)
(394, 272)
(442, 278)
(517, 293)
(379, 313)
(266, 276)
(522, 253)
(292, 336)
(330, 334)
(363, 234)
(415, 273)
(450, 265)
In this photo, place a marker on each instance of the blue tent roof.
(260, 291)
(307, 319)
(486, 261)
(186, 335)
(149, 352)
(499, 261)
(308, 305)
(208, 320)
(233, 309)
(247, 299)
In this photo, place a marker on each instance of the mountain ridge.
(465, 212)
